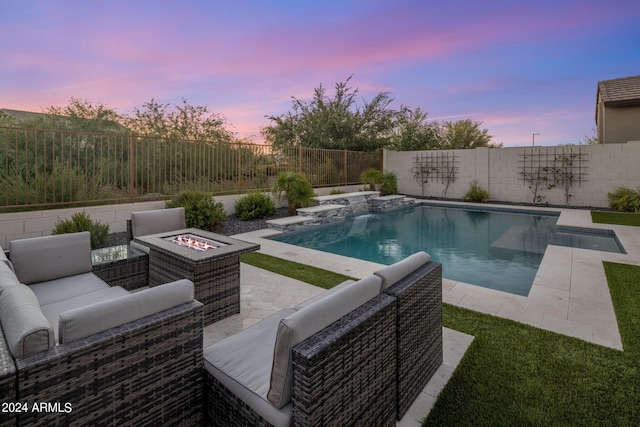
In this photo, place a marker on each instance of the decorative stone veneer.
(337, 207)
(323, 214)
(344, 199)
(388, 203)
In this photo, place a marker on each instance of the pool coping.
(572, 301)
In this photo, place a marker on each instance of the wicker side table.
(214, 273)
(121, 266)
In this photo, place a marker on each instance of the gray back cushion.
(26, 329)
(4, 260)
(40, 259)
(309, 320)
(85, 321)
(393, 273)
(7, 276)
(144, 223)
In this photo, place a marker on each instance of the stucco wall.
(499, 171)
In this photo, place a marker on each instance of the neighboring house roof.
(623, 92)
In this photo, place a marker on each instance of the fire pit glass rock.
(194, 242)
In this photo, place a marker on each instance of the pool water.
(493, 249)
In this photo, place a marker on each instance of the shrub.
(254, 205)
(200, 209)
(476, 193)
(389, 184)
(385, 182)
(624, 200)
(297, 190)
(336, 191)
(371, 176)
(80, 221)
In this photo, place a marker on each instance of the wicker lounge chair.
(154, 221)
(341, 357)
(416, 283)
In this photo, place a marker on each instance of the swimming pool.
(495, 249)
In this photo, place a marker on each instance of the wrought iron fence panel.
(45, 168)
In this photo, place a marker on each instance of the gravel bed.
(232, 225)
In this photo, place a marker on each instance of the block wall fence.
(21, 225)
(508, 173)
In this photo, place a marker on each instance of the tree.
(590, 139)
(466, 134)
(413, 132)
(186, 122)
(338, 123)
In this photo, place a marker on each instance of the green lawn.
(322, 278)
(514, 374)
(615, 218)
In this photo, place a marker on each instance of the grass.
(615, 218)
(515, 374)
(306, 273)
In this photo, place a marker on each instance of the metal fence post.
(132, 172)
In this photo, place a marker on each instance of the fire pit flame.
(190, 241)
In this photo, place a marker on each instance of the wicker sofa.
(90, 353)
(337, 359)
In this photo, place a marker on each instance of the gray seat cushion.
(26, 329)
(155, 221)
(307, 321)
(393, 273)
(52, 311)
(242, 363)
(40, 259)
(67, 287)
(85, 321)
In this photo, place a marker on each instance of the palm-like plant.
(371, 176)
(297, 190)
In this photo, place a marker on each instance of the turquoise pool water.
(497, 250)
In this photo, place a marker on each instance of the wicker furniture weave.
(419, 323)
(343, 375)
(121, 266)
(146, 372)
(215, 273)
(7, 381)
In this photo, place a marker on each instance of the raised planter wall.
(21, 225)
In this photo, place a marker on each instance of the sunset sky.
(518, 67)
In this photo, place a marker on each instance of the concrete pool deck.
(569, 295)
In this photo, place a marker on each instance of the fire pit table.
(211, 261)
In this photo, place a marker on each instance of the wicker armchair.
(419, 323)
(342, 375)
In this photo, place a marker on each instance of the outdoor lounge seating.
(104, 355)
(416, 283)
(336, 358)
(155, 221)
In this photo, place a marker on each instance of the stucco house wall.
(618, 110)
